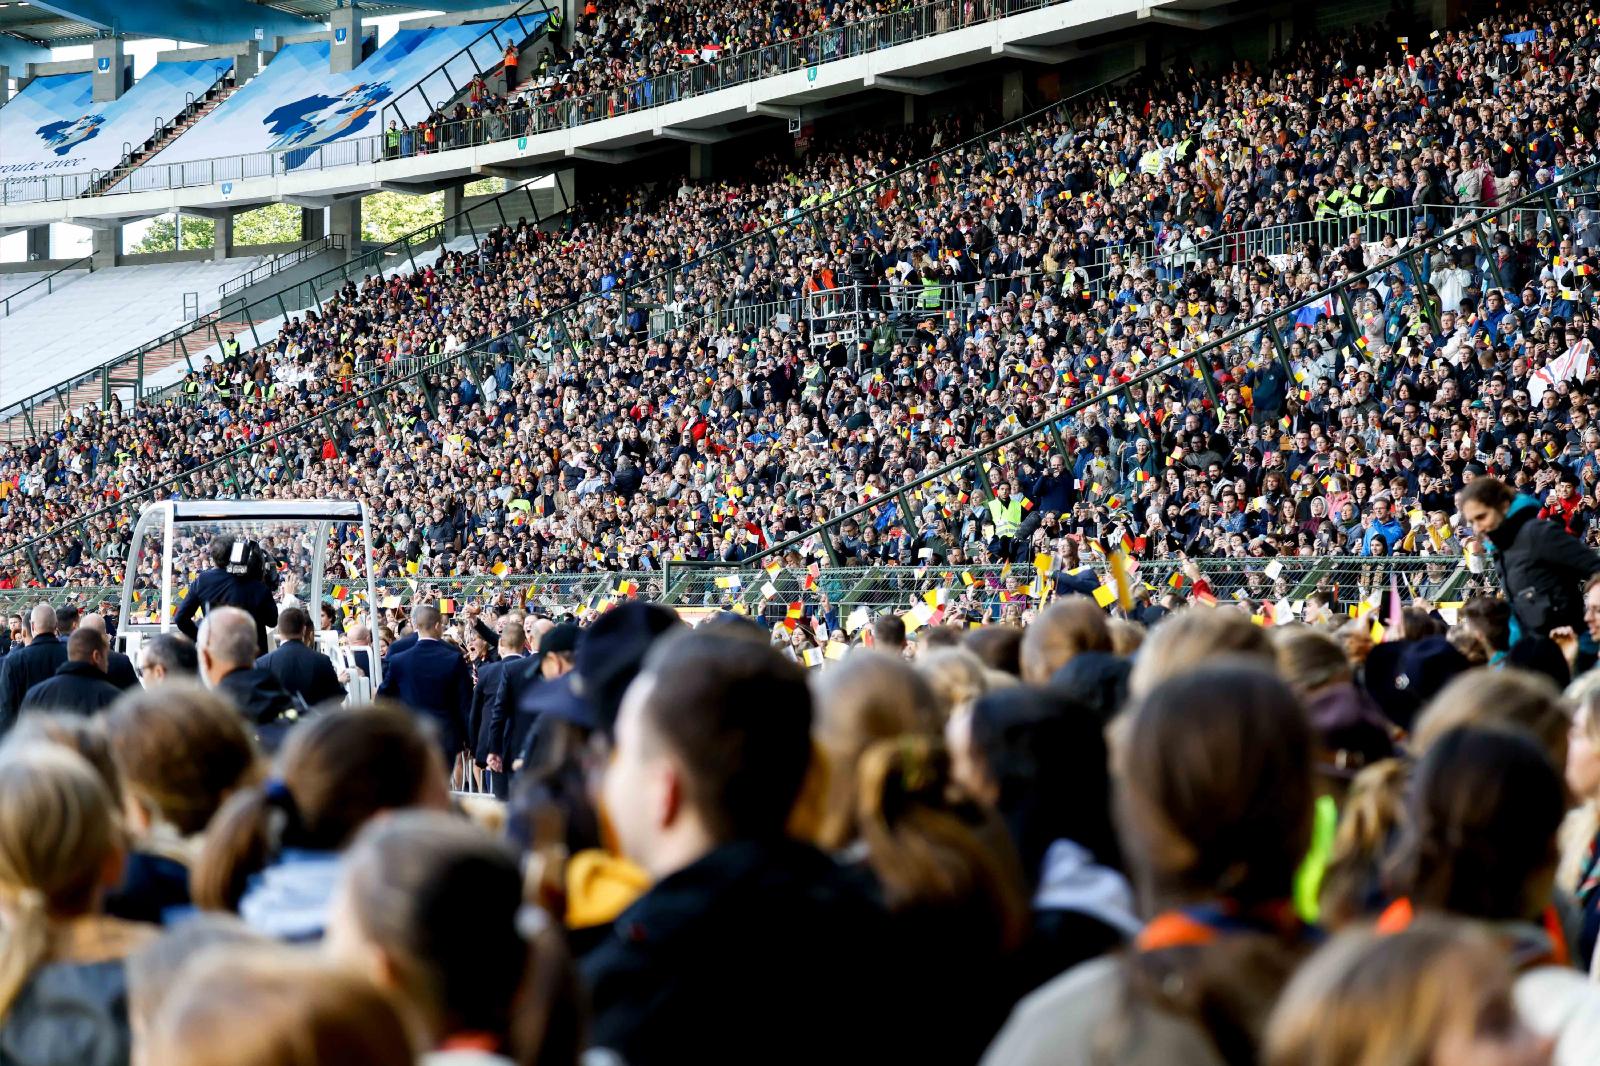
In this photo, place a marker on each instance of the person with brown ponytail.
(1214, 773)
(180, 753)
(954, 889)
(430, 906)
(63, 986)
(272, 852)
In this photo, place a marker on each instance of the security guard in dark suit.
(513, 646)
(238, 577)
(301, 669)
(433, 679)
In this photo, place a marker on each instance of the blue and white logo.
(339, 34)
(104, 63)
(811, 74)
(227, 188)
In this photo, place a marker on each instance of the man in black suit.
(508, 728)
(80, 684)
(301, 669)
(227, 651)
(433, 679)
(237, 578)
(513, 646)
(25, 667)
(119, 668)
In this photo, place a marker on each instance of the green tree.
(163, 232)
(269, 224)
(386, 216)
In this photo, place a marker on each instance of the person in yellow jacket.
(1005, 514)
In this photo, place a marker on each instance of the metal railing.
(740, 316)
(331, 242)
(195, 337)
(551, 330)
(546, 18)
(533, 118)
(832, 594)
(48, 281)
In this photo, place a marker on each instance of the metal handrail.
(1271, 321)
(552, 18)
(279, 263)
(47, 281)
(754, 64)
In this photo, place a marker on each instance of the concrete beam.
(422, 186)
(692, 136)
(909, 86)
(317, 203)
(215, 214)
(200, 21)
(1185, 20)
(776, 111)
(602, 155)
(1034, 54)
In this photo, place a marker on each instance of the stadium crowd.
(1152, 834)
(1004, 278)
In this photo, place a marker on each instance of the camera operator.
(239, 577)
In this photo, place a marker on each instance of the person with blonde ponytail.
(63, 986)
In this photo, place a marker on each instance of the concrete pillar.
(109, 73)
(38, 242)
(345, 217)
(246, 62)
(106, 247)
(5, 83)
(223, 248)
(1441, 13)
(454, 200)
(311, 224)
(702, 161)
(1011, 96)
(344, 39)
(911, 110)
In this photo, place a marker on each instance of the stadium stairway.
(169, 133)
(106, 310)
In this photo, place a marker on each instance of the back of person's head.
(85, 737)
(1370, 817)
(42, 619)
(167, 657)
(936, 638)
(1040, 759)
(1480, 839)
(1310, 660)
(871, 695)
(426, 619)
(154, 967)
(437, 900)
(67, 618)
(276, 1006)
(713, 744)
(513, 639)
(1215, 785)
(1488, 618)
(59, 848)
(87, 646)
(955, 676)
(1065, 628)
(334, 773)
(181, 752)
(1489, 697)
(888, 632)
(1403, 999)
(293, 623)
(1000, 647)
(221, 548)
(227, 640)
(932, 848)
(1126, 636)
(1191, 637)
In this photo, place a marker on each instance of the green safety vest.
(1007, 518)
(230, 348)
(932, 295)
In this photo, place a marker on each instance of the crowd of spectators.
(1002, 279)
(1141, 836)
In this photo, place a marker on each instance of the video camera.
(247, 560)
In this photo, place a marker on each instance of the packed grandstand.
(1105, 571)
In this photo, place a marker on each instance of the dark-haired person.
(300, 668)
(750, 943)
(220, 587)
(1480, 843)
(119, 668)
(1215, 791)
(80, 684)
(25, 667)
(513, 647)
(433, 679)
(168, 657)
(1542, 567)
